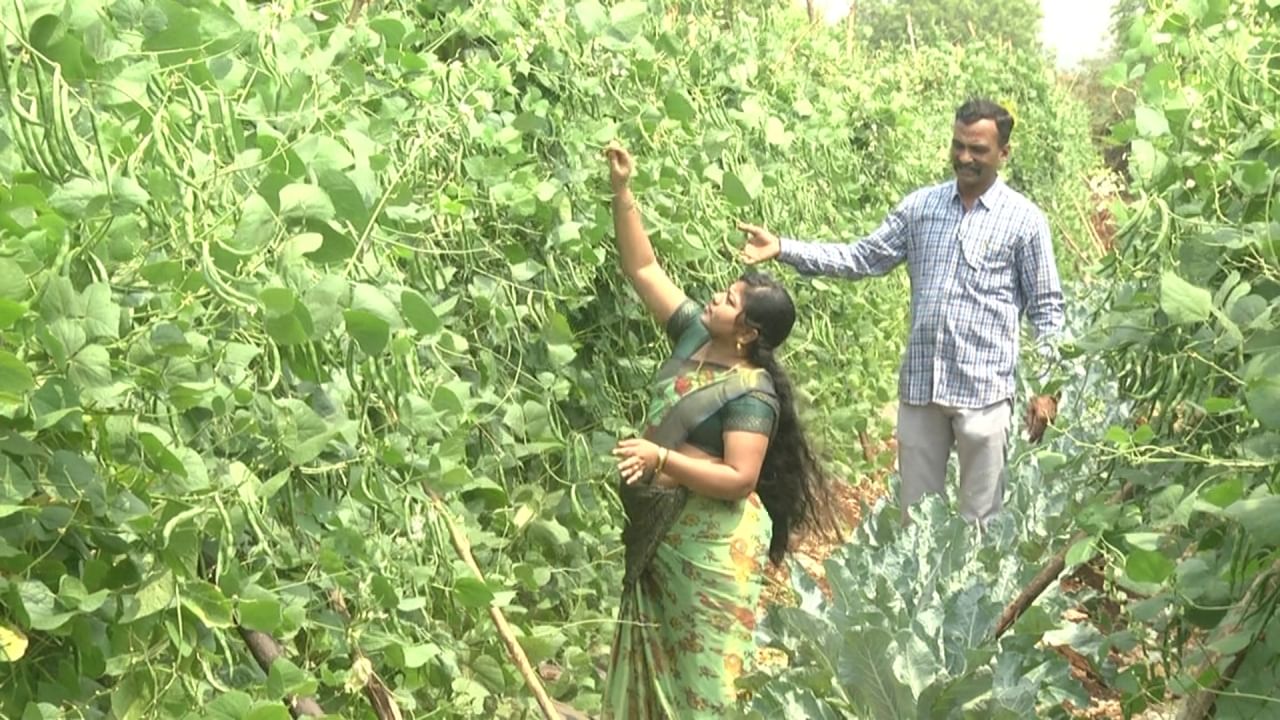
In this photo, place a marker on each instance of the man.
(979, 255)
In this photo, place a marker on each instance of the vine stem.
(550, 711)
(1048, 573)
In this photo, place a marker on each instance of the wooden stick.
(265, 650)
(463, 547)
(1048, 573)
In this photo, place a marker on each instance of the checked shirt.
(973, 276)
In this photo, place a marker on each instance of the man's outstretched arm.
(874, 255)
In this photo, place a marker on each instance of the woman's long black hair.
(792, 485)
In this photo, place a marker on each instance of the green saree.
(688, 612)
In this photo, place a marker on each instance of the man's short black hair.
(980, 108)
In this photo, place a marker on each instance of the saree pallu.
(686, 628)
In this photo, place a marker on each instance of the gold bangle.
(662, 460)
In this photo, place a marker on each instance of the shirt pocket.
(987, 251)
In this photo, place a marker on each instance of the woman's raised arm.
(650, 281)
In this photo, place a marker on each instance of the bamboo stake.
(463, 547)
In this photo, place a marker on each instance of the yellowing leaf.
(13, 644)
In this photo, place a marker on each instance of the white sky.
(1074, 29)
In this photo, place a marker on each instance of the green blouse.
(747, 413)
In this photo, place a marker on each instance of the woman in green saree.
(720, 480)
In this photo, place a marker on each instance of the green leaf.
(231, 705)
(79, 197)
(263, 615)
(10, 310)
(372, 300)
(13, 283)
(286, 678)
(101, 313)
(207, 602)
(15, 379)
(1148, 566)
(626, 19)
(419, 313)
(257, 225)
(168, 340)
(371, 332)
(158, 594)
(1082, 551)
(1259, 518)
(1147, 162)
(472, 592)
(775, 133)
(591, 16)
(39, 603)
(678, 106)
(1183, 302)
(1262, 388)
(864, 666)
(299, 201)
(415, 656)
(1150, 121)
(265, 710)
(1255, 177)
(744, 186)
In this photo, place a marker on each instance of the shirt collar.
(989, 199)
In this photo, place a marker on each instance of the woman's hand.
(637, 458)
(620, 166)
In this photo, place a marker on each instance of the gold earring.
(739, 343)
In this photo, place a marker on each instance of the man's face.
(976, 154)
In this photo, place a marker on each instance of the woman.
(720, 480)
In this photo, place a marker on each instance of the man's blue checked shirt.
(973, 275)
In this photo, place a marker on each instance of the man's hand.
(761, 244)
(1040, 412)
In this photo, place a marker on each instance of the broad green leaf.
(207, 602)
(1262, 388)
(1150, 121)
(1147, 162)
(264, 710)
(13, 644)
(10, 310)
(1259, 518)
(294, 328)
(626, 19)
(348, 204)
(775, 133)
(157, 594)
(15, 379)
(472, 592)
(91, 368)
(744, 186)
(257, 225)
(13, 284)
(286, 678)
(300, 201)
(415, 656)
(591, 16)
(101, 313)
(1183, 302)
(419, 313)
(1255, 177)
(263, 614)
(278, 301)
(371, 332)
(231, 705)
(168, 339)
(323, 154)
(372, 300)
(678, 105)
(79, 197)
(39, 602)
(1082, 551)
(1148, 566)
(864, 666)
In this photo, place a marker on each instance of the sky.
(1074, 29)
